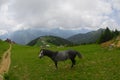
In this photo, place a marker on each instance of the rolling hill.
(49, 40)
(89, 37)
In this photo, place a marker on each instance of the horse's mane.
(50, 51)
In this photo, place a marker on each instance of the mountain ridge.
(90, 37)
(26, 35)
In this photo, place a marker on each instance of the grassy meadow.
(97, 64)
(3, 47)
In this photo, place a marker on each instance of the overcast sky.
(63, 14)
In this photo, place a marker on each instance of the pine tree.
(105, 36)
(116, 33)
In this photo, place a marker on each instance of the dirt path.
(5, 63)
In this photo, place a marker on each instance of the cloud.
(55, 13)
(111, 24)
(2, 32)
(2, 2)
(66, 14)
(116, 4)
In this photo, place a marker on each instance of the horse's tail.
(79, 54)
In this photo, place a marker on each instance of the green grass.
(3, 47)
(97, 64)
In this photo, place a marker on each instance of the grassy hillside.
(3, 47)
(90, 37)
(115, 42)
(97, 64)
(49, 40)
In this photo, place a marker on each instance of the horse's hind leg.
(73, 62)
(56, 64)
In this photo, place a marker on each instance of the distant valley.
(74, 36)
(27, 35)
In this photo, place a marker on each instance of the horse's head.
(41, 54)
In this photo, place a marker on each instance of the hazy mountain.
(5, 36)
(89, 37)
(49, 40)
(25, 36)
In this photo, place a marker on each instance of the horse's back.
(62, 55)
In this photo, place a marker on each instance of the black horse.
(60, 56)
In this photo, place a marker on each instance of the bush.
(6, 76)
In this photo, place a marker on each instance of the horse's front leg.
(73, 62)
(56, 64)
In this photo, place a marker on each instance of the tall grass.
(3, 47)
(97, 64)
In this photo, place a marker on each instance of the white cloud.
(6, 21)
(116, 4)
(2, 2)
(2, 32)
(66, 14)
(111, 24)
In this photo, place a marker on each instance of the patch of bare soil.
(5, 63)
